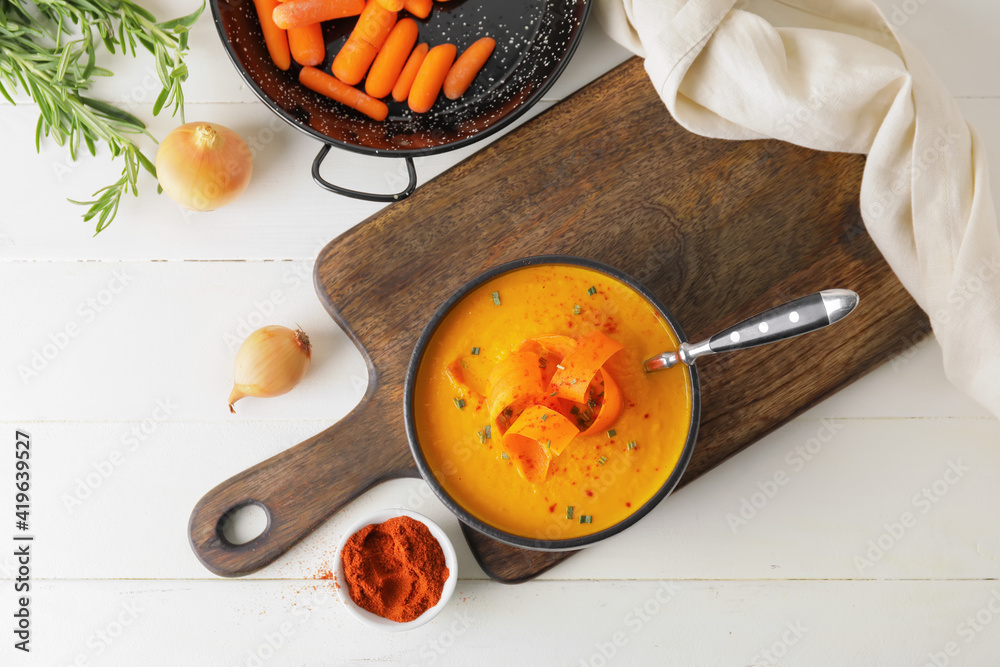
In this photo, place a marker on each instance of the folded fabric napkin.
(832, 75)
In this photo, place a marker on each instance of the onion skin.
(270, 362)
(203, 166)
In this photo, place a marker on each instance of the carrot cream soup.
(532, 408)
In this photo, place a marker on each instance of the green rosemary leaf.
(146, 164)
(38, 133)
(183, 21)
(160, 99)
(3, 91)
(144, 13)
(113, 112)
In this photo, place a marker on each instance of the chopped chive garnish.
(459, 402)
(555, 393)
(592, 291)
(548, 445)
(631, 444)
(488, 431)
(542, 362)
(475, 351)
(503, 455)
(572, 382)
(585, 518)
(601, 461)
(569, 511)
(574, 410)
(612, 433)
(496, 298)
(482, 437)
(544, 417)
(577, 310)
(560, 367)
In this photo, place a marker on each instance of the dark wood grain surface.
(718, 230)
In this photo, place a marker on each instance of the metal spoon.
(788, 320)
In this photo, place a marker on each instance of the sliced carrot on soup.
(535, 438)
(580, 366)
(513, 383)
(546, 426)
(610, 407)
(529, 457)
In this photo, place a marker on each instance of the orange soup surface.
(596, 480)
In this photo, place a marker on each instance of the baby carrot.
(419, 8)
(307, 44)
(467, 66)
(392, 5)
(401, 90)
(368, 36)
(324, 84)
(391, 58)
(430, 77)
(299, 13)
(274, 37)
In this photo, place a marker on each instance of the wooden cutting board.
(718, 230)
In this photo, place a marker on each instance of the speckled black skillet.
(535, 40)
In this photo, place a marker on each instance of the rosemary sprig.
(50, 53)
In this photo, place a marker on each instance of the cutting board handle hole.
(243, 523)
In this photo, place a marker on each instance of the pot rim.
(507, 120)
(466, 517)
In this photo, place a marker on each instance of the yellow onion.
(270, 362)
(203, 166)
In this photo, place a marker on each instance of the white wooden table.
(874, 552)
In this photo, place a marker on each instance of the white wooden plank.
(112, 502)
(551, 623)
(282, 215)
(109, 339)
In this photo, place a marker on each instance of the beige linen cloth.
(833, 75)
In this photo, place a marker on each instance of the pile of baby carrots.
(382, 50)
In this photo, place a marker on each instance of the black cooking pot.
(535, 40)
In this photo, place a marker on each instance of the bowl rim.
(491, 129)
(466, 517)
(374, 620)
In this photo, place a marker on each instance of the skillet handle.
(299, 489)
(356, 194)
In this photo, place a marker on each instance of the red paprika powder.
(395, 569)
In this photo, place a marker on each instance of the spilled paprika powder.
(395, 569)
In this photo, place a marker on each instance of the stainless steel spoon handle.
(788, 320)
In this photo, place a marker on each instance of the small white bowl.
(368, 618)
